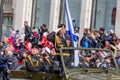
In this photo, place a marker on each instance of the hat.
(47, 49)
(61, 25)
(35, 46)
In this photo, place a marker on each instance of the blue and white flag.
(70, 31)
(69, 24)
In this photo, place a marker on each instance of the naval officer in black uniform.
(61, 39)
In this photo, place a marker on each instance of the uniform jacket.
(33, 59)
(51, 37)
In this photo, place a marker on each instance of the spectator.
(94, 35)
(27, 31)
(43, 29)
(111, 47)
(3, 65)
(34, 39)
(102, 37)
(113, 40)
(77, 34)
(85, 41)
(12, 60)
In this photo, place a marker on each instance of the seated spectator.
(3, 65)
(118, 60)
(107, 63)
(110, 47)
(12, 60)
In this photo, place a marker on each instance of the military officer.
(33, 61)
(85, 62)
(61, 39)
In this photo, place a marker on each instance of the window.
(7, 23)
(75, 11)
(105, 14)
(42, 12)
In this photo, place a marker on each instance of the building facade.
(85, 14)
(15, 12)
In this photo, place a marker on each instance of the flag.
(69, 24)
(70, 31)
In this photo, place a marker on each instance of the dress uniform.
(33, 62)
(60, 39)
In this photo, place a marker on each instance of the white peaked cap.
(47, 49)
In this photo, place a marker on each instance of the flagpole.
(1, 16)
(62, 12)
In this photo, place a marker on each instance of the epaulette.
(31, 62)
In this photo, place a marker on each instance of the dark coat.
(42, 31)
(27, 33)
(12, 63)
(3, 63)
(29, 66)
(34, 40)
(51, 37)
(3, 59)
(85, 42)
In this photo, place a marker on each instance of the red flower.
(35, 34)
(45, 43)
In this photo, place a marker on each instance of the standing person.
(59, 37)
(12, 31)
(35, 38)
(27, 31)
(102, 37)
(43, 29)
(85, 41)
(77, 34)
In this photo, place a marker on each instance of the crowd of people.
(39, 48)
(101, 39)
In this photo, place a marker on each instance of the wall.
(117, 25)
(22, 12)
(43, 12)
(103, 14)
(75, 10)
(54, 14)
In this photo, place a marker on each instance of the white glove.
(57, 30)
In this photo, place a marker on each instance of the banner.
(70, 31)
